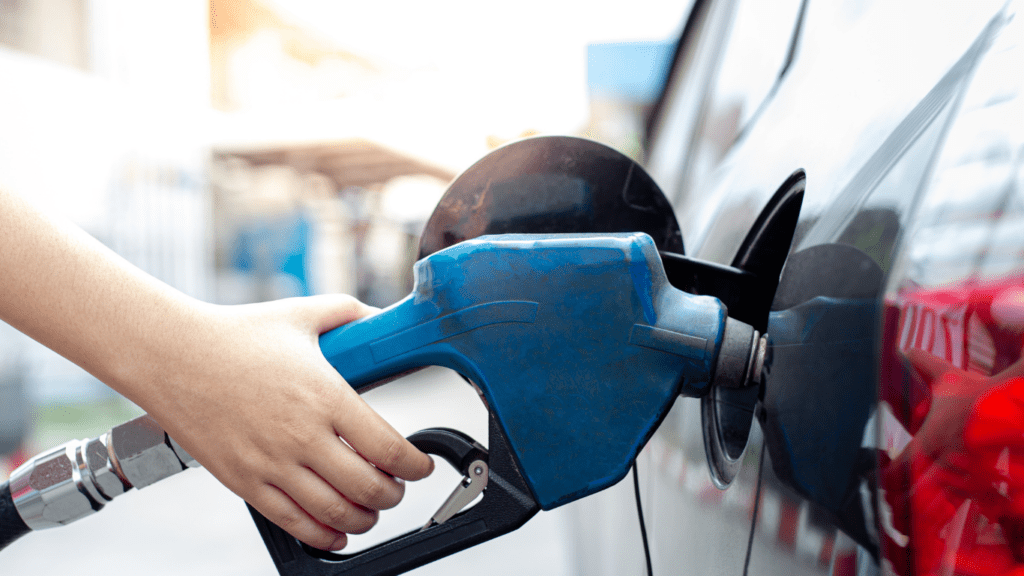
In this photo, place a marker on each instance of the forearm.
(74, 295)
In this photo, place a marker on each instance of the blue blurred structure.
(632, 71)
(624, 80)
(266, 248)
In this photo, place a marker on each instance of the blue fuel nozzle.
(579, 346)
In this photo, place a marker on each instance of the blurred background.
(246, 150)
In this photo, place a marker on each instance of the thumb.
(328, 311)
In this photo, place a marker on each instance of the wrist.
(150, 359)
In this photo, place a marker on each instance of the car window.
(734, 52)
(757, 51)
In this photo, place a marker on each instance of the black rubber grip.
(454, 446)
(12, 526)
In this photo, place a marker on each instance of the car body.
(869, 155)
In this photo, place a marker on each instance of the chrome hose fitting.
(78, 478)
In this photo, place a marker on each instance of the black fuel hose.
(12, 526)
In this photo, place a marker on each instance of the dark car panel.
(903, 282)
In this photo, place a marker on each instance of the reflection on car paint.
(951, 403)
(953, 380)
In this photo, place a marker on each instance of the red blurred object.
(12, 460)
(952, 422)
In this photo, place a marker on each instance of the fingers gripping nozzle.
(506, 505)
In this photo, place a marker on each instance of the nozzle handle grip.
(368, 352)
(413, 334)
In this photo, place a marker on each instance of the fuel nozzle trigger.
(506, 505)
(466, 456)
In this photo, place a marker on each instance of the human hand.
(251, 397)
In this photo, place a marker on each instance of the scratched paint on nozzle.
(542, 325)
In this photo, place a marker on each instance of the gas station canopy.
(353, 162)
